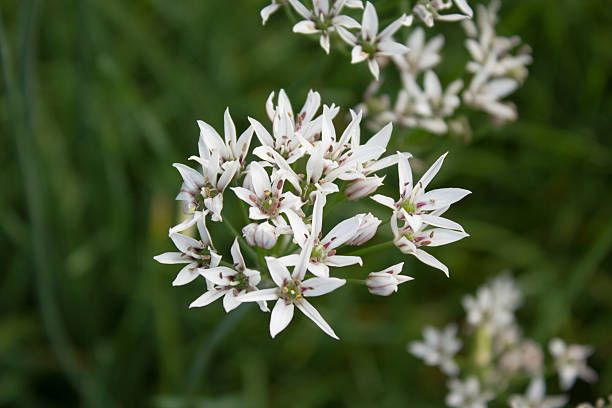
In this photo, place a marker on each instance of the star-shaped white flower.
(439, 348)
(196, 254)
(265, 195)
(413, 199)
(467, 394)
(372, 43)
(535, 397)
(570, 362)
(324, 19)
(428, 11)
(385, 282)
(323, 253)
(291, 292)
(229, 283)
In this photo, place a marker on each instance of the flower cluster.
(285, 182)
(424, 103)
(501, 356)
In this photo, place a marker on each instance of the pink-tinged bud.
(385, 282)
(361, 188)
(368, 225)
(265, 236)
(248, 232)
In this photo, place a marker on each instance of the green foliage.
(99, 97)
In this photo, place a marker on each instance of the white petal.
(259, 179)
(172, 258)
(443, 236)
(341, 233)
(237, 255)
(305, 27)
(262, 134)
(260, 295)
(184, 243)
(441, 197)
(316, 317)
(207, 298)
(392, 48)
(320, 286)
(319, 269)
(464, 7)
(358, 55)
(342, 260)
(369, 23)
(300, 231)
(192, 178)
(230, 302)
(374, 68)
(324, 42)
(384, 200)
(441, 222)
(405, 175)
(278, 271)
(433, 89)
(229, 129)
(267, 11)
(301, 9)
(186, 275)
(280, 317)
(430, 260)
(431, 172)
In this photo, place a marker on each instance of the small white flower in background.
(494, 305)
(439, 348)
(196, 254)
(323, 251)
(372, 44)
(487, 94)
(385, 282)
(570, 362)
(229, 283)
(428, 11)
(421, 55)
(535, 397)
(324, 19)
(414, 200)
(291, 292)
(467, 394)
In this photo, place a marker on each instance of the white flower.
(196, 254)
(323, 250)
(229, 283)
(414, 200)
(439, 348)
(230, 149)
(494, 305)
(372, 43)
(361, 188)
(266, 236)
(428, 11)
(291, 292)
(421, 55)
(414, 234)
(323, 19)
(535, 397)
(266, 196)
(486, 94)
(385, 282)
(467, 394)
(570, 362)
(267, 11)
(368, 225)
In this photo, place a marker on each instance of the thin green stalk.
(360, 282)
(252, 253)
(372, 248)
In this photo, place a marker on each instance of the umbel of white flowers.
(501, 354)
(285, 182)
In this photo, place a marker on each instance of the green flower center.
(291, 291)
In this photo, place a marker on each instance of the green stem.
(356, 281)
(372, 248)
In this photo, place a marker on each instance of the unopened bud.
(385, 282)
(265, 236)
(361, 188)
(248, 232)
(368, 225)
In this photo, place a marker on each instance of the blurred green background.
(99, 97)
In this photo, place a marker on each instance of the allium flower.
(229, 283)
(324, 19)
(196, 254)
(494, 305)
(414, 200)
(486, 94)
(266, 196)
(263, 235)
(323, 250)
(570, 362)
(535, 397)
(428, 11)
(385, 282)
(291, 292)
(364, 187)
(467, 394)
(421, 55)
(372, 43)
(439, 348)
(230, 149)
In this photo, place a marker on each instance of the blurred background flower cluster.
(98, 97)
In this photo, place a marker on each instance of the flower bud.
(385, 282)
(248, 232)
(265, 236)
(363, 187)
(368, 225)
